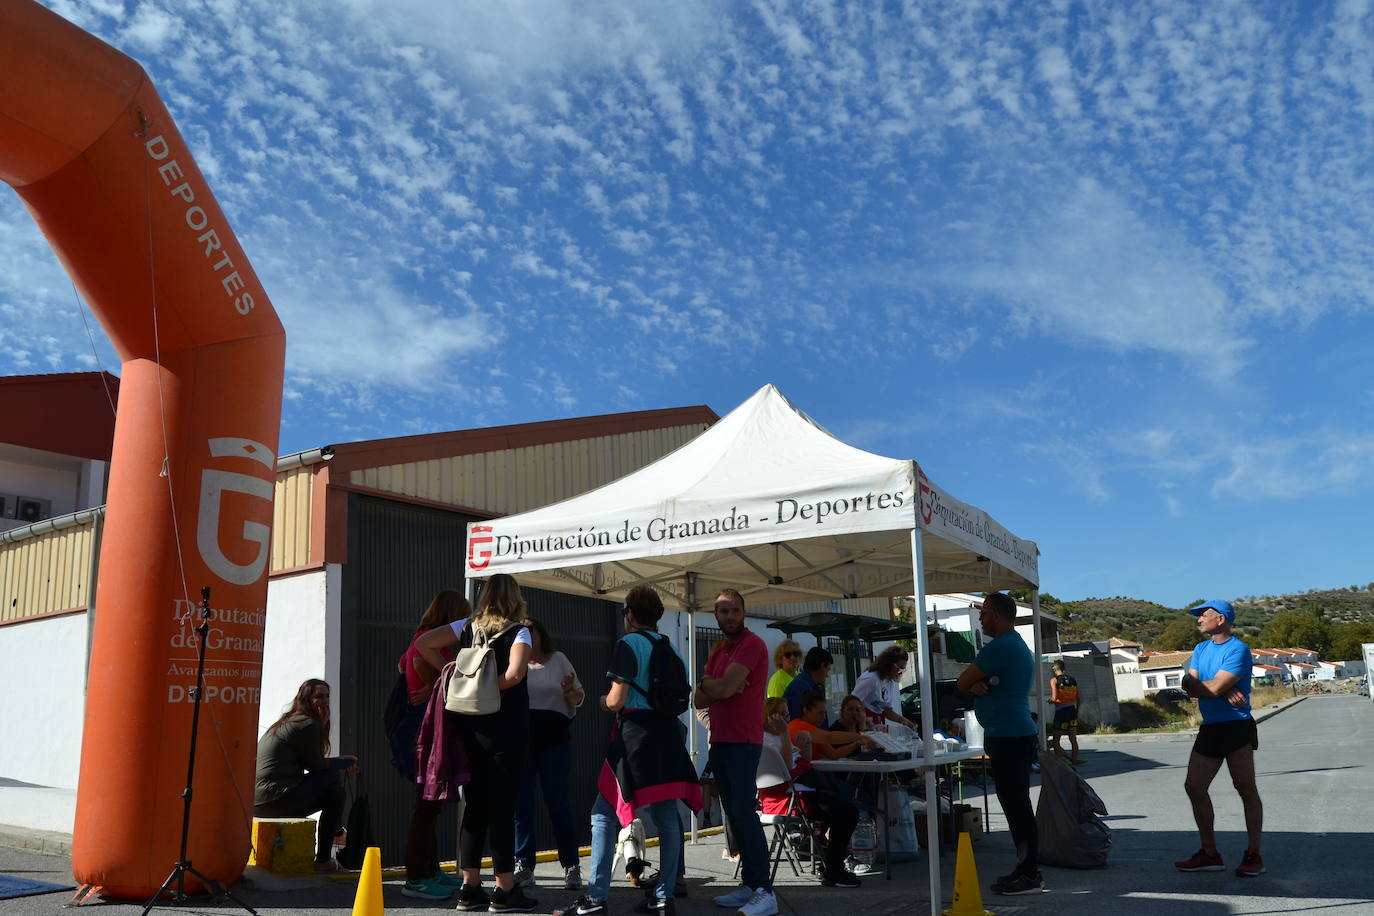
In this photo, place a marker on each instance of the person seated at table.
(815, 669)
(879, 690)
(787, 659)
(820, 796)
(827, 744)
(852, 717)
(295, 777)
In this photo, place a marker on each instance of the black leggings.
(1011, 760)
(489, 802)
(422, 840)
(320, 791)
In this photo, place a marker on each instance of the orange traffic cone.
(968, 896)
(368, 902)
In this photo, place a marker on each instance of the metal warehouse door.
(399, 556)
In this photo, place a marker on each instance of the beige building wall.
(46, 573)
(52, 571)
(515, 480)
(292, 511)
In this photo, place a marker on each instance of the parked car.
(948, 706)
(1170, 695)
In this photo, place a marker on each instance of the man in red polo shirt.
(732, 689)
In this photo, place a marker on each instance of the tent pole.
(1039, 649)
(928, 702)
(690, 587)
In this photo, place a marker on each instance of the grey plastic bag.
(1072, 834)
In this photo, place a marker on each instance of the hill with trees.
(1331, 621)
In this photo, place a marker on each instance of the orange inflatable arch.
(93, 153)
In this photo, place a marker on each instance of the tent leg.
(928, 701)
(692, 744)
(1038, 647)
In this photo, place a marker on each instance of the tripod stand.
(183, 864)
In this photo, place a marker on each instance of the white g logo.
(213, 484)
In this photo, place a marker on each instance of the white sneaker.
(763, 903)
(736, 898)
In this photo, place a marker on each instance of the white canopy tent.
(769, 503)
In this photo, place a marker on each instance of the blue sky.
(1106, 273)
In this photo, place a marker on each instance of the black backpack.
(669, 693)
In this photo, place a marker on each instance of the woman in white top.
(555, 694)
(879, 690)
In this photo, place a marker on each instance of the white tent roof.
(765, 501)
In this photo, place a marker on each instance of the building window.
(1151, 682)
(707, 637)
(1171, 680)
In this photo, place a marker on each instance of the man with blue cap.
(1219, 676)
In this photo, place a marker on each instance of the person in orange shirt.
(824, 743)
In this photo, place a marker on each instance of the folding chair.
(794, 822)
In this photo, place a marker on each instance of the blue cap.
(1221, 607)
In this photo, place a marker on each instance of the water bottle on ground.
(863, 843)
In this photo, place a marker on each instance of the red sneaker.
(1202, 861)
(1251, 865)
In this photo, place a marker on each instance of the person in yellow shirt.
(787, 659)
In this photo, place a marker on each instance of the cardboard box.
(969, 820)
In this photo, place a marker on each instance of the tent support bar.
(815, 571)
(928, 700)
(744, 558)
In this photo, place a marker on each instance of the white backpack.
(475, 688)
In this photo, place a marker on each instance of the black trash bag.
(359, 834)
(1072, 834)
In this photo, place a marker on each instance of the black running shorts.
(1222, 739)
(1066, 718)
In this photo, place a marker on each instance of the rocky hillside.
(1146, 622)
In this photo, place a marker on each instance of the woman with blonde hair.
(787, 659)
(496, 744)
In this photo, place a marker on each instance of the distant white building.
(1163, 670)
(957, 615)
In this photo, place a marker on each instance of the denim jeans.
(605, 829)
(546, 771)
(735, 766)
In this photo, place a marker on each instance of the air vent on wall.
(33, 510)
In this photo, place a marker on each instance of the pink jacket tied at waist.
(441, 759)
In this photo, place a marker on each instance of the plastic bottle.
(863, 843)
(973, 729)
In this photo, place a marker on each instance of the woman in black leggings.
(496, 746)
(295, 776)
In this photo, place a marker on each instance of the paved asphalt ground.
(1315, 775)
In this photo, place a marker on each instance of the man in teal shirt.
(1000, 679)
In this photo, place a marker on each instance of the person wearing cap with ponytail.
(1219, 677)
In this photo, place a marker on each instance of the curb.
(1132, 738)
(47, 842)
